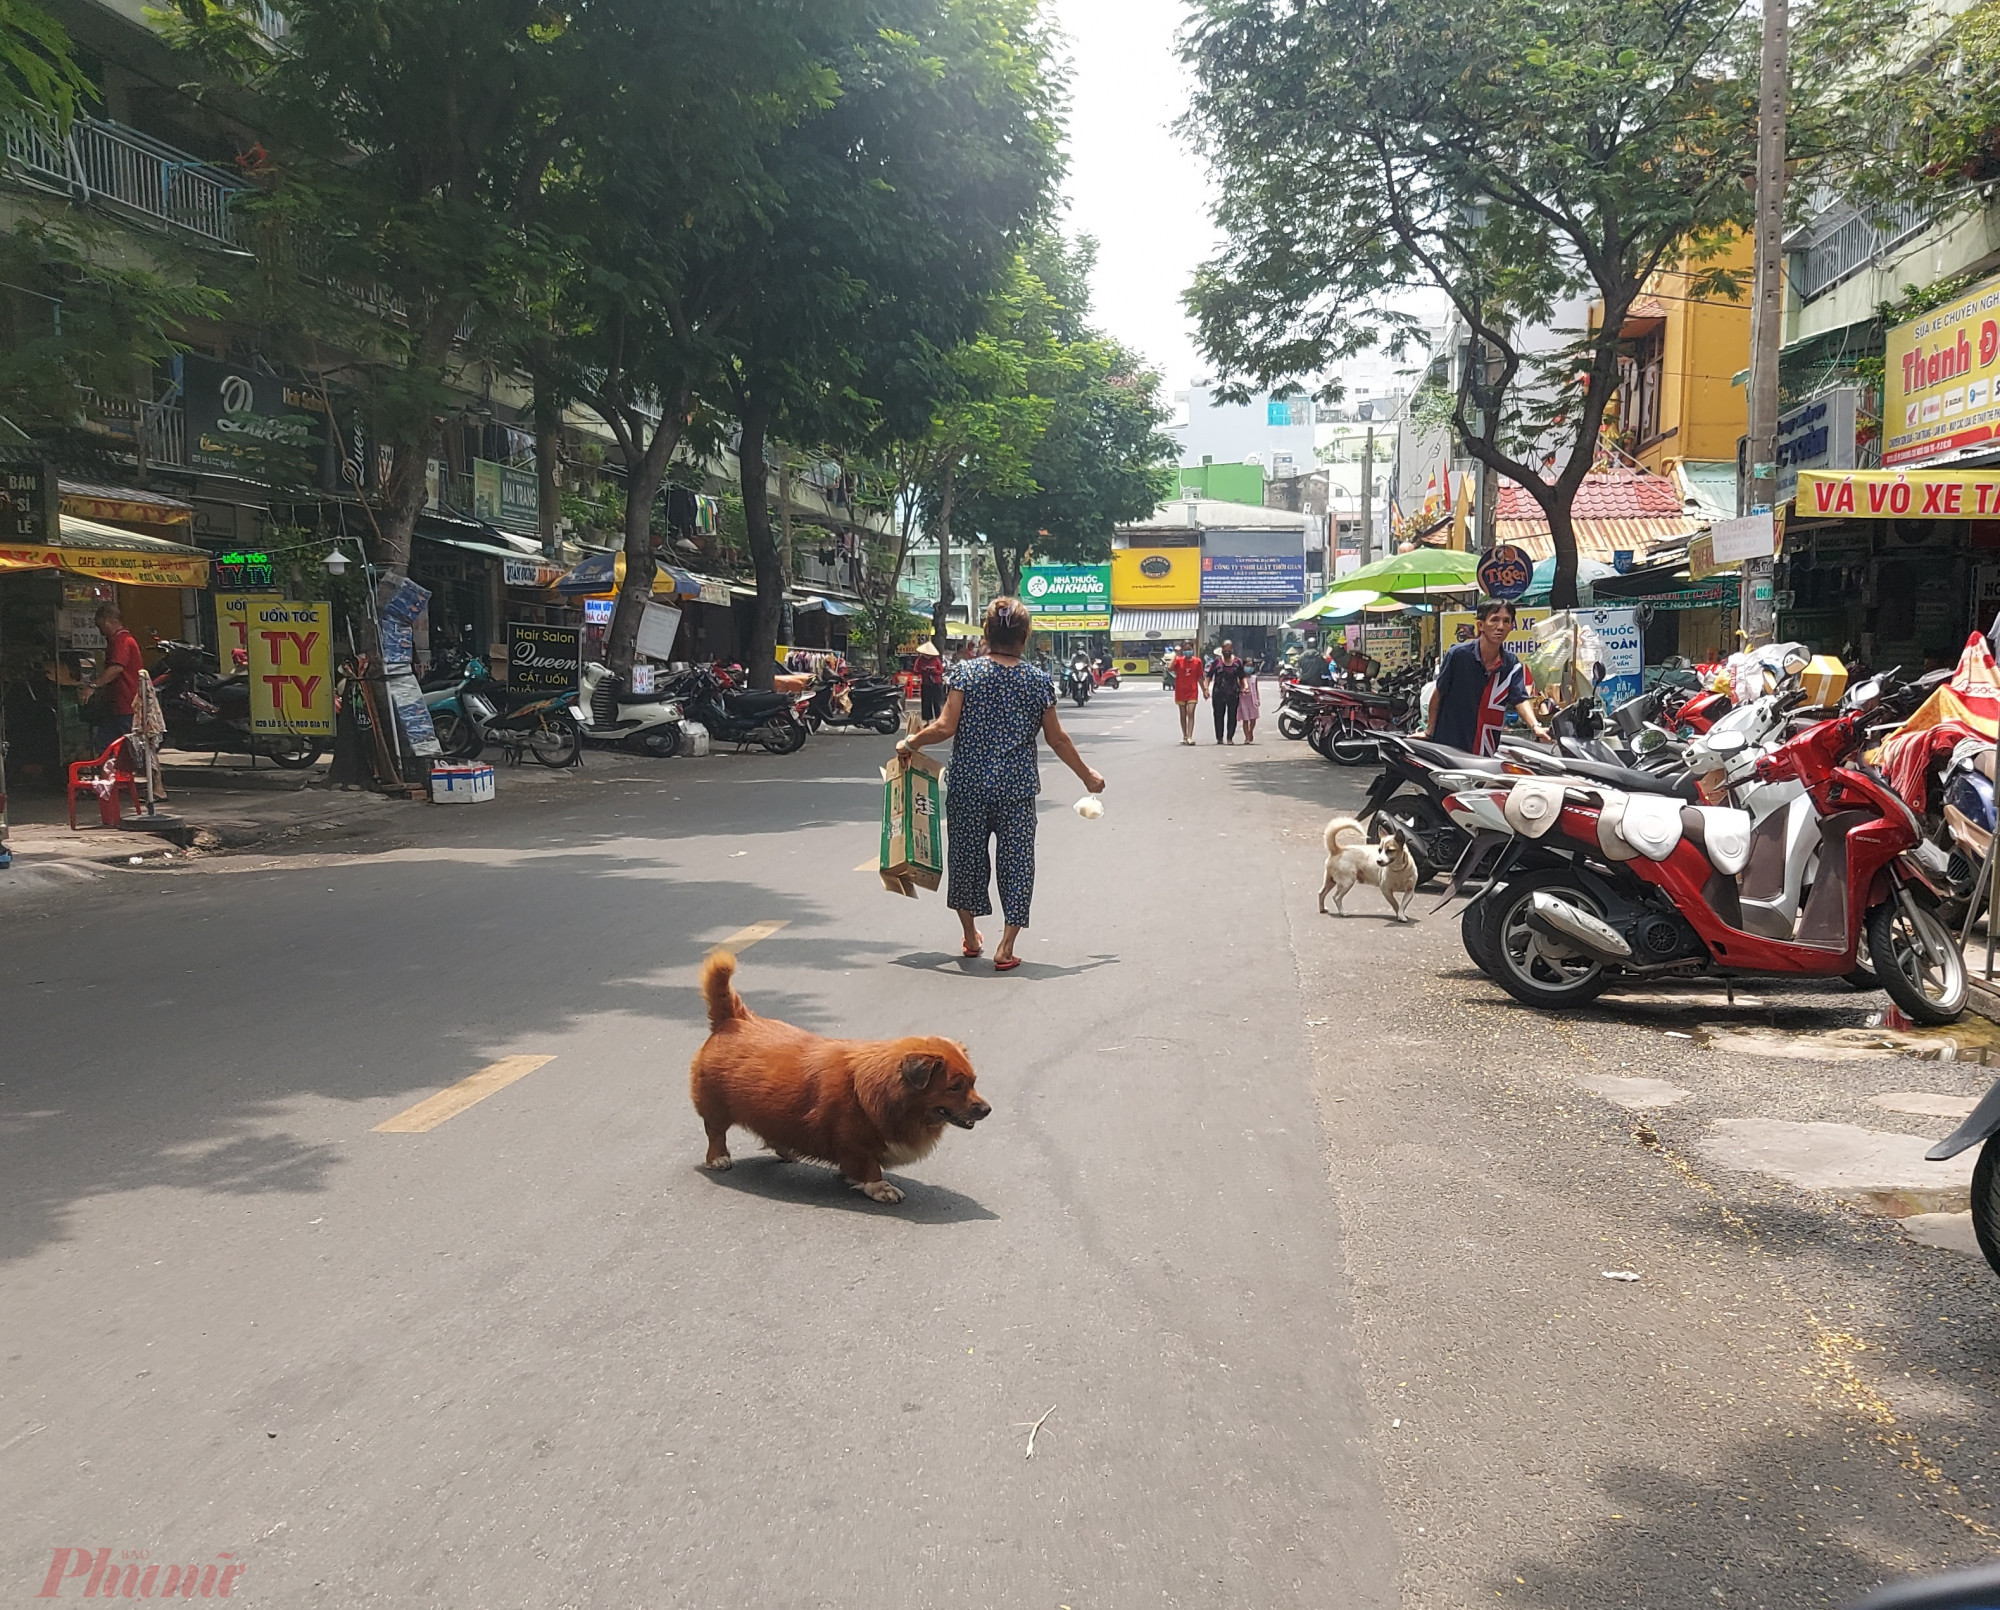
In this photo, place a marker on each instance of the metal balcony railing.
(109, 164)
(1845, 239)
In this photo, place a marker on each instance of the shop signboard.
(659, 625)
(1624, 644)
(1254, 567)
(291, 668)
(1900, 494)
(29, 503)
(1462, 625)
(1156, 578)
(1938, 386)
(1818, 435)
(232, 626)
(506, 497)
(542, 659)
(1068, 598)
(1506, 572)
(539, 574)
(239, 415)
(1390, 644)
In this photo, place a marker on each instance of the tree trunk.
(548, 451)
(941, 616)
(645, 473)
(1562, 531)
(1008, 562)
(756, 483)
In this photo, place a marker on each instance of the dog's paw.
(720, 1165)
(882, 1191)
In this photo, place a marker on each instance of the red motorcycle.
(1344, 716)
(1609, 881)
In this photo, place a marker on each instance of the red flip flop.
(971, 950)
(1006, 966)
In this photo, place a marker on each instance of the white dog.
(1351, 859)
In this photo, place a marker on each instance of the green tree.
(1508, 155)
(39, 75)
(1097, 458)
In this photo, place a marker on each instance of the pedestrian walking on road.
(1189, 676)
(1249, 707)
(930, 680)
(1477, 683)
(1225, 690)
(993, 713)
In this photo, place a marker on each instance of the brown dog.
(856, 1104)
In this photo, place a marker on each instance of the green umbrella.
(1340, 605)
(1422, 571)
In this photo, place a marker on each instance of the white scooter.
(609, 715)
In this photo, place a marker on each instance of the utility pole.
(1766, 313)
(1367, 500)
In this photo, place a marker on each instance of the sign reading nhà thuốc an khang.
(1068, 598)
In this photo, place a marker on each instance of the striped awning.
(1224, 616)
(1142, 625)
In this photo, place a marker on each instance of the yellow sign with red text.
(1941, 386)
(1898, 495)
(291, 668)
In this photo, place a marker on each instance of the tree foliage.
(1510, 155)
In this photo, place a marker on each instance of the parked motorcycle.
(777, 721)
(872, 703)
(474, 712)
(205, 711)
(1633, 880)
(1104, 674)
(1982, 1129)
(1295, 707)
(608, 712)
(1346, 717)
(1409, 795)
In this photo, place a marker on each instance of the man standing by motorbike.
(1477, 683)
(116, 688)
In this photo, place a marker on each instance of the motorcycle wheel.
(556, 744)
(662, 743)
(1918, 962)
(1291, 726)
(1534, 970)
(887, 722)
(293, 752)
(1346, 746)
(785, 738)
(457, 738)
(1472, 935)
(1986, 1201)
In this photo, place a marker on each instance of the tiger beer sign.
(1899, 494)
(291, 668)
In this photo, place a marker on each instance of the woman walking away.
(930, 680)
(995, 708)
(1225, 688)
(1247, 706)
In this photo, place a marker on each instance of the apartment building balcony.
(104, 164)
(1840, 240)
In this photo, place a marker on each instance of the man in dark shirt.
(1477, 683)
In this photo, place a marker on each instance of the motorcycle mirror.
(1961, 1590)
(1868, 695)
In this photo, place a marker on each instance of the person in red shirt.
(930, 680)
(120, 677)
(1189, 674)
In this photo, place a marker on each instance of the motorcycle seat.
(1633, 782)
(1445, 758)
(755, 704)
(627, 696)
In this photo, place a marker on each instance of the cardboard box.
(1824, 680)
(912, 825)
(461, 785)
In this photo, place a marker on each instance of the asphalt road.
(1291, 1232)
(535, 1356)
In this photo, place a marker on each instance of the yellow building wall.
(1707, 342)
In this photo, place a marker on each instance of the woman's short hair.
(1007, 624)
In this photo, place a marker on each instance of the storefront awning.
(1142, 625)
(836, 607)
(131, 505)
(1250, 617)
(109, 554)
(1668, 587)
(600, 574)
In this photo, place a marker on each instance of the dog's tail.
(1340, 825)
(718, 988)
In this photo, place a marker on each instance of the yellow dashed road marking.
(427, 1114)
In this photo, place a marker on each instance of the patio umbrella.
(1341, 605)
(1588, 572)
(1422, 572)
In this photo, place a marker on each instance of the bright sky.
(1131, 182)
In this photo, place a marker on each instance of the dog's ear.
(919, 1071)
